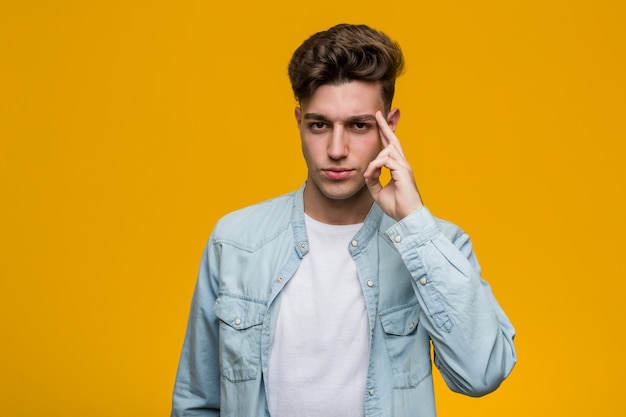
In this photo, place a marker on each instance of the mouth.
(337, 173)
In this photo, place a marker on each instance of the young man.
(324, 302)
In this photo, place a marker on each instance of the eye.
(361, 126)
(317, 126)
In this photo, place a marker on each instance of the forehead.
(345, 99)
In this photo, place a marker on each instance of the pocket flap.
(239, 313)
(402, 321)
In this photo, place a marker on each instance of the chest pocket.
(408, 345)
(239, 337)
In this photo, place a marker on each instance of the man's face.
(340, 138)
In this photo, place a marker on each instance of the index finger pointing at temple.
(387, 135)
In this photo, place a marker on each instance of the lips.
(337, 173)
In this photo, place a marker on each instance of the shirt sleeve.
(197, 387)
(472, 337)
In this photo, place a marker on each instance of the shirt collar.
(367, 232)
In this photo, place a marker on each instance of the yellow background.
(127, 128)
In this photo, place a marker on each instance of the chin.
(341, 193)
(337, 191)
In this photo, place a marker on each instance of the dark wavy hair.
(346, 53)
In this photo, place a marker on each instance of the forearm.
(197, 388)
(472, 337)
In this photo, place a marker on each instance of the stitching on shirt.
(250, 248)
(398, 308)
(242, 297)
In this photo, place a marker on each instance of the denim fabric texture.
(421, 282)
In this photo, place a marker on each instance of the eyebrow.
(359, 118)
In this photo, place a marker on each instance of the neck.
(350, 210)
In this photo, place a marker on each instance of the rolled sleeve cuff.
(417, 228)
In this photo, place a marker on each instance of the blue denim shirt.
(421, 282)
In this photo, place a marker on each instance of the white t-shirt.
(320, 352)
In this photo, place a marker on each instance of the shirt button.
(423, 281)
(371, 392)
(237, 322)
(303, 245)
(355, 243)
(370, 283)
(279, 279)
(397, 239)
(411, 325)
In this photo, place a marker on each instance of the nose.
(338, 145)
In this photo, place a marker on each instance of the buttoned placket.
(364, 249)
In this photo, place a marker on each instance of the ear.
(298, 114)
(393, 118)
